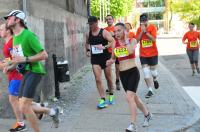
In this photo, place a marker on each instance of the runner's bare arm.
(38, 57)
(183, 39)
(131, 46)
(150, 36)
(113, 57)
(109, 38)
(139, 36)
(87, 45)
(10, 67)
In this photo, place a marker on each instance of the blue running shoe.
(111, 99)
(102, 104)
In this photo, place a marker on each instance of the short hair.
(120, 24)
(23, 24)
(144, 17)
(110, 16)
(191, 23)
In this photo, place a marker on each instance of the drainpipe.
(24, 7)
(88, 8)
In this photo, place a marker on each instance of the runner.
(110, 28)
(146, 35)
(97, 47)
(192, 50)
(124, 50)
(27, 54)
(14, 78)
(131, 34)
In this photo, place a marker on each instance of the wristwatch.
(27, 59)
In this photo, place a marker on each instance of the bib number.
(147, 43)
(96, 50)
(193, 44)
(121, 51)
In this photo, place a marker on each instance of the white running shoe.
(147, 119)
(131, 128)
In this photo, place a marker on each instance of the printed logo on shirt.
(17, 50)
(147, 43)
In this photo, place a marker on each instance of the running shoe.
(107, 91)
(131, 128)
(156, 84)
(147, 119)
(193, 73)
(18, 127)
(149, 94)
(198, 71)
(111, 99)
(102, 104)
(55, 118)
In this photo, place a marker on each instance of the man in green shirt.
(27, 52)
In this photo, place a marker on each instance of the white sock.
(150, 89)
(52, 112)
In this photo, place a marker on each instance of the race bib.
(193, 44)
(96, 50)
(17, 50)
(121, 51)
(147, 43)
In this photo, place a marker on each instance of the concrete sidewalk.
(173, 110)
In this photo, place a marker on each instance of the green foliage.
(117, 7)
(189, 11)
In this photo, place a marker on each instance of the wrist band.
(88, 50)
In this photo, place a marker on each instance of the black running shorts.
(151, 61)
(29, 84)
(130, 79)
(100, 60)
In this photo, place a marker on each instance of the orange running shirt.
(148, 48)
(110, 29)
(131, 34)
(192, 38)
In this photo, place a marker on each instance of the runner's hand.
(88, 53)
(5, 70)
(18, 59)
(143, 28)
(110, 62)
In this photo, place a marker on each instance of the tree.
(188, 10)
(117, 7)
